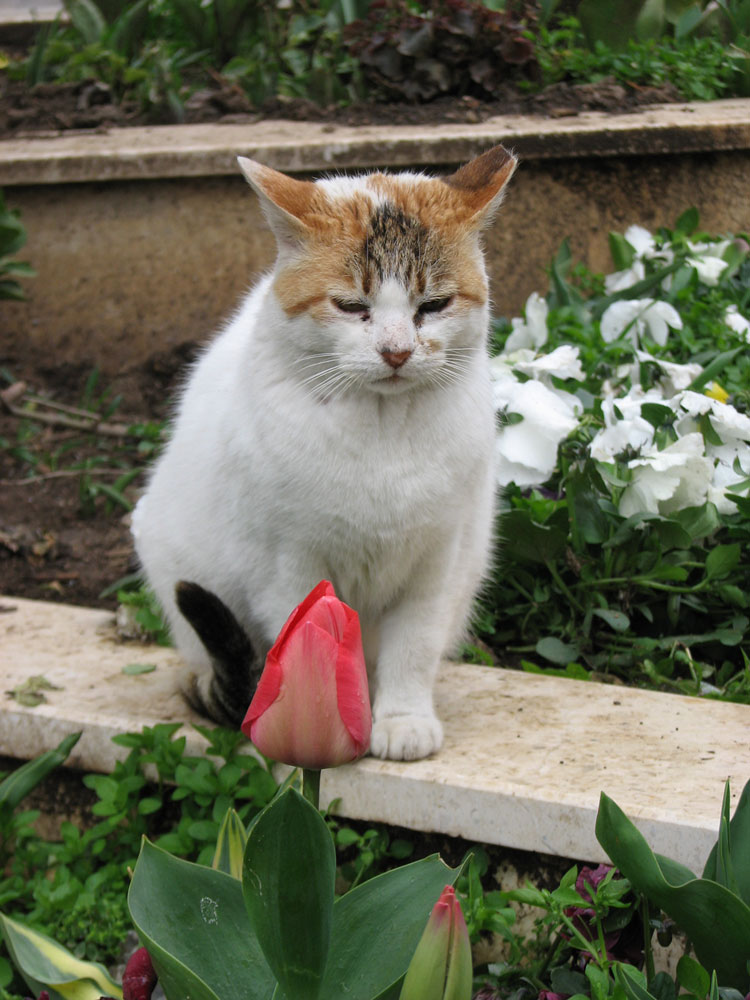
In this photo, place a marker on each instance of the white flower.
(728, 422)
(563, 362)
(664, 481)
(638, 315)
(706, 259)
(527, 451)
(675, 377)
(533, 331)
(645, 248)
(624, 427)
(737, 322)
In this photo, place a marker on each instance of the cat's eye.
(352, 306)
(434, 305)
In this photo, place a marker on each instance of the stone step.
(525, 757)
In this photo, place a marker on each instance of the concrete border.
(169, 151)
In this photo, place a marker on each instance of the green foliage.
(713, 910)
(73, 890)
(657, 598)
(203, 945)
(12, 238)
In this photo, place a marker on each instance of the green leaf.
(194, 923)
(556, 651)
(714, 919)
(738, 838)
(18, 784)
(87, 20)
(377, 926)
(44, 963)
(721, 560)
(714, 369)
(288, 876)
(527, 540)
(699, 522)
(692, 976)
(688, 221)
(623, 254)
(230, 845)
(133, 669)
(616, 620)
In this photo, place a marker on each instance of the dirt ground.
(88, 105)
(58, 541)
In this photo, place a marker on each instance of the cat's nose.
(395, 358)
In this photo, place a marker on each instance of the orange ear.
(479, 185)
(285, 200)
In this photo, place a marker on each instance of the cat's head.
(381, 277)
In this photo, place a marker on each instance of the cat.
(340, 427)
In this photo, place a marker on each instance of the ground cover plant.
(174, 60)
(624, 449)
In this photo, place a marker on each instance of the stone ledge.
(524, 761)
(170, 151)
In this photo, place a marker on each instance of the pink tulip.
(312, 705)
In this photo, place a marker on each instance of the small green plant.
(12, 238)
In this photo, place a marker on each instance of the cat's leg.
(425, 626)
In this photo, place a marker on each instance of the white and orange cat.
(340, 427)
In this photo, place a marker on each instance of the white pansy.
(706, 259)
(620, 280)
(531, 332)
(737, 322)
(728, 422)
(636, 316)
(527, 451)
(645, 248)
(663, 481)
(726, 478)
(564, 362)
(674, 376)
(624, 427)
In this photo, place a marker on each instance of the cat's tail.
(236, 665)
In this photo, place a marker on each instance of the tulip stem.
(311, 785)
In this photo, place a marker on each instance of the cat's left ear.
(286, 201)
(479, 186)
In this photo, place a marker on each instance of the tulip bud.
(441, 968)
(312, 705)
(139, 978)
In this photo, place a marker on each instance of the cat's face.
(382, 277)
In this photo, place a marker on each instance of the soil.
(89, 105)
(58, 542)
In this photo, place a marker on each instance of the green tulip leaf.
(716, 920)
(288, 879)
(46, 965)
(729, 860)
(20, 782)
(230, 845)
(193, 921)
(377, 927)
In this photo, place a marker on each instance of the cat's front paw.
(406, 737)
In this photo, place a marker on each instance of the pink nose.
(395, 358)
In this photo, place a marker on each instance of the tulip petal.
(353, 693)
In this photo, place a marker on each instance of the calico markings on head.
(341, 427)
(395, 255)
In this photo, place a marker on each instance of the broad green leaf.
(191, 918)
(230, 845)
(714, 919)
(623, 254)
(692, 976)
(87, 20)
(377, 926)
(699, 522)
(721, 560)
(738, 833)
(632, 982)
(530, 541)
(557, 651)
(41, 960)
(288, 876)
(688, 221)
(18, 784)
(616, 620)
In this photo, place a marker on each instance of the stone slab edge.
(180, 151)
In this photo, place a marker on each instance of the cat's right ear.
(285, 201)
